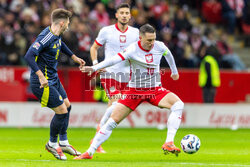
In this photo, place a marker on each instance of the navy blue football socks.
(56, 126)
(63, 132)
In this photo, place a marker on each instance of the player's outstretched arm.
(106, 63)
(68, 52)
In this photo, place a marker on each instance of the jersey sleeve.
(127, 53)
(101, 38)
(121, 56)
(40, 43)
(169, 57)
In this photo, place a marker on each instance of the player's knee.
(116, 119)
(178, 107)
(62, 109)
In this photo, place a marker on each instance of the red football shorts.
(113, 87)
(135, 96)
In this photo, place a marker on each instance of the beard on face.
(123, 23)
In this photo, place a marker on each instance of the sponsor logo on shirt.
(149, 58)
(36, 45)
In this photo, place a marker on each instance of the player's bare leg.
(120, 112)
(63, 141)
(176, 106)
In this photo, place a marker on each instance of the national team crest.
(149, 58)
(122, 38)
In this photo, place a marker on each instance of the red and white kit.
(116, 78)
(145, 82)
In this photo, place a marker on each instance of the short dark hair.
(122, 5)
(60, 14)
(147, 28)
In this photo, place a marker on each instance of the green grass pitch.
(127, 148)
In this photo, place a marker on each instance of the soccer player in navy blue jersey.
(42, 57)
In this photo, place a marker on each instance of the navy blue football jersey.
(47, 49)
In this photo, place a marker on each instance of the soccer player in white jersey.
(115, 38)
(145, 85)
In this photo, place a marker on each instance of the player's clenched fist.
(87, 69)
(78, 60)
(175, 76)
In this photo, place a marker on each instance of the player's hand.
(43, 81)
(87, 69)
(78, 60)
(102, 70)
(175, 76)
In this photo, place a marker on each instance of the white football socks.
(174, 120)
(54, 145)
(64, 142)
(107, 114)
(102, 135)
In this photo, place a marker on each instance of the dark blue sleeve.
(66, 50)
(30, 58)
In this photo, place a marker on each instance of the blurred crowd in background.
(191, 29)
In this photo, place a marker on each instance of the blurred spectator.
(232, 12)
(140, 20)
(84, 42)
(211, 11)
(209, 77)
(210, 44)
(164, 22)
(20, 43)
(184, 50)
(111, 9)
(100, 15)
(166, 35)
(228, 56)
(3, 56)
(45, 21)
(196, 43)
(246, 23)
(181, 21)
(158, 8)
(3, 5)
(70, 39)
(91, 3)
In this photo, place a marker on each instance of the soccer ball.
(190, 144)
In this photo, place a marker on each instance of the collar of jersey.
(52, 32)
(139, 44)
(116, 26)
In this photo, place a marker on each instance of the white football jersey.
(145, 65)
(116, 41)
